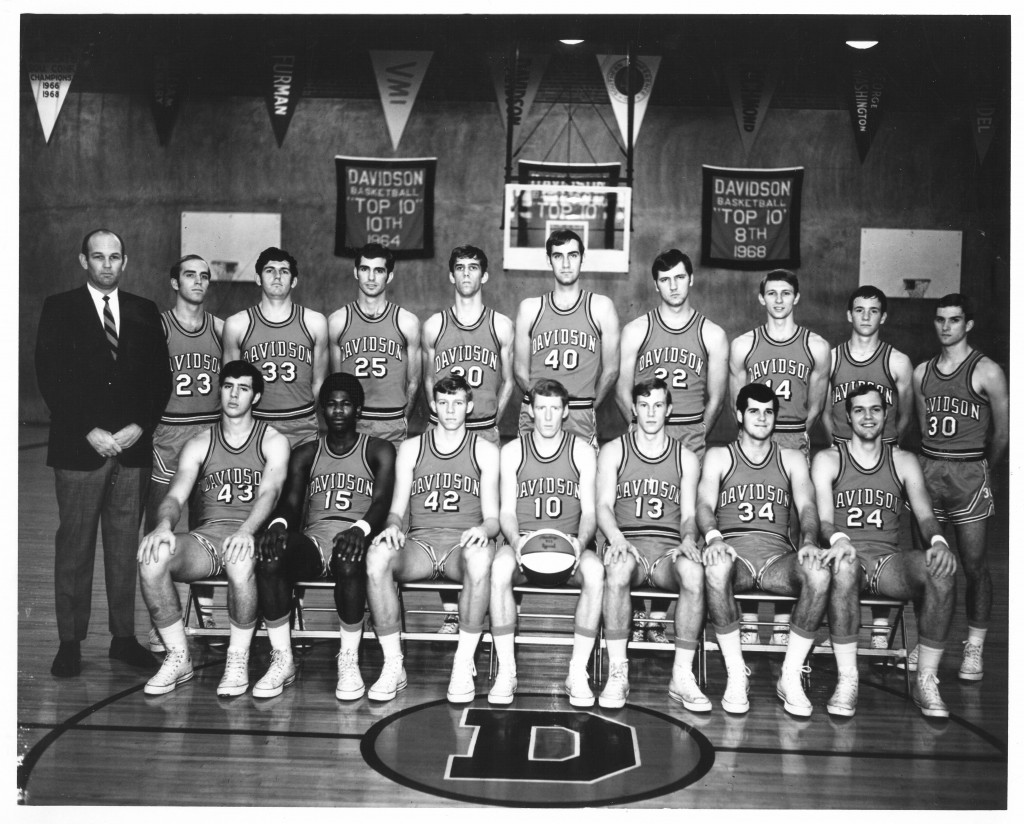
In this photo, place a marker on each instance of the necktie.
(109, 326)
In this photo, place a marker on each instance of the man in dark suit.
(104, 373)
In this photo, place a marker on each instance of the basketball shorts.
(437, 544)
(581, 422)
(873, 557)
(395, 430)
(758, 552)
(297, 430)
(322, 534)
(168, 440)
(794, 440)
(209, 538)
(960, 490)
(654, 551)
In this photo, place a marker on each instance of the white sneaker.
(636, 635)
(972, 668)
(577, 687)
(880, 639)
(503, 689)
(910, 662)
(156, 643)
(683, 688)
(656, 634)
(392, 680)
(616, 690)
(236, 673)
(461, 687)
(176, 669)
(925, 692)
(791, 691)
(737, 686)
(350, 680)
(780, 636)
(450, 625)
(280, 675)
(748, 634)
(844, 699)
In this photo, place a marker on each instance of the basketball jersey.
(957, 418)
(785, 367)
(283, 351)
(565, 345)
(340, 486)
(754, 498)
(445, 487)
(548, 489)
(647, 491)
(373, 349)
(679, 357)
(848, 374)
(229, 478)
(472, 352)
(867, 501)
(195, 367)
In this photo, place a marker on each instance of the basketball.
(548, 557)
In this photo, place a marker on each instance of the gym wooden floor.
(97, 739)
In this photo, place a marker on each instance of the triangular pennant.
(528, 74)
(285, 79)
(399, 77)
(867, 86)
(50, 81)
(751, 88)
(169, 84)
(618, 80)
(985, 94)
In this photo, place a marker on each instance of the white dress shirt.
(115, 308)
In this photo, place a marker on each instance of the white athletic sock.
(732, 652)
(616, 650)
(467, 644)
(781, 622)
(391, 644)
(505, 649)
(174, 635)
(976, 635)
(350, 639)
(280, 637)
(748, 621)
(582, 646)
(928, 659)
(241, 639)
(683, 659)
(846, 654)
(797, 650)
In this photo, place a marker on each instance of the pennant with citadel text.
(399, 77)
(50, 81)
(619, 80)
(169, 84)
(751, 88)
(867, 86)
(285, 77)
(529, 71)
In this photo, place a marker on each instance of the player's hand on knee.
(718, 552)
(238, 547)
(149, 547)
(273, 542)
(687, 549)
(616, 552)
(809, 557)
(940, 560)
(350, 545)
(841, 550)
(475, 536)
(392, 538)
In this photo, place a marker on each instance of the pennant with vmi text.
(525, 80)
(399, 77)
(287, 70)
(751, 88)
(620, 79)
(169, 85)
(867, 87)
(50, 81)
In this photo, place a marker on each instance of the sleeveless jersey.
(373, 349)
(548, 489)
(340, 486)
(229, 478)
(195, 367)
(647, 491)
(472, 352)
(283, 351)
(848, 374)
(445, 488)
(957, 418)
(754, 498)
(565, 345)
(679, 357)
(868, 501)
(785, 366)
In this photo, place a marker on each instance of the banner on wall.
(50, 81)
(528, 74)
(751, 88)
(867, 86)
(399, 77)
(750, 218)
(576, 174)
(386, 201)
(619, 79)
(284, 79)
(168, 87)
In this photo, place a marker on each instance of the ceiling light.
(862, 44)
(571, 42)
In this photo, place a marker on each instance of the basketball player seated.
(743, 506)
(646, 498)
(344, 481)
(447, 481)
(861, 486)
(547, 481)
(237, 468)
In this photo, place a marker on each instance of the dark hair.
(756, 392)
(669, 260)
(864, 389)
(467, 252)
(343, 382)
(561, 236)
(450, 384)
(242, 369)
(868, 292)
(548, 388)
(960, 300)
(176, 268)
(376, 250)
(89, 236)
(781, 274)
(646, 387)
(273, 253)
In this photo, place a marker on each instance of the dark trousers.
(110, 498)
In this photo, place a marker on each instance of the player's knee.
(503, 567)
(691, 578)
(379, 560)
(592, 572)
(477, 562)
(845, 580)
(718, 577)
(347, 570)
(619, 576)
(270, 567)
(817, 580)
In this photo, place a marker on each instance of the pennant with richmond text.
(284, 78)
(50, 81)
(168, 86)
(751, 88)
(529, 71)
(867, 86)
(620, 79)
(399, 77)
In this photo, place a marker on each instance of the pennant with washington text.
(50, 81)
(399, 77)
(529, 71)
(621, 78)
(867, 86)
(751, 88)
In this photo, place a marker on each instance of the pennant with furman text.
(620, 79)
(50, 81)
(529, 71)
(399, 77)
(751, 88)
(285, 85)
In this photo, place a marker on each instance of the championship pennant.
(619, 79)
(285, 78)
(529, 71)
(750, 88)
(50, 81)
(169, 84)
(399, 77)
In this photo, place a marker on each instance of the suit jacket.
(84, 387)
